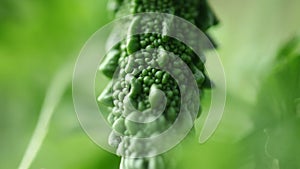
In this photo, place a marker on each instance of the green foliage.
(274, 142)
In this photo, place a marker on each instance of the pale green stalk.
(54, 93)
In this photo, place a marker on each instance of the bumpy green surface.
(140, 80)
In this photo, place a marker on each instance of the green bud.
(119, 125)
(156, 97)
(136, 88)
(162, 59)
(165, 78)
(133, 45)
(106, 97)
(147, 80)
(171, 114)
(199, 77)
(141, 106)
(159, 74)
(170, 94)
(110, 63)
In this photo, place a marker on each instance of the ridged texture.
(140, 79)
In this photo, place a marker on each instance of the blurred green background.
(261, 125)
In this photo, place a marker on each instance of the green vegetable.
(143, 90)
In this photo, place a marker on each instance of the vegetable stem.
(53, 96)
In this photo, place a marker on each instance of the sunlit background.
(261, 124)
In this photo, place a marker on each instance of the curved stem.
(54, 93)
